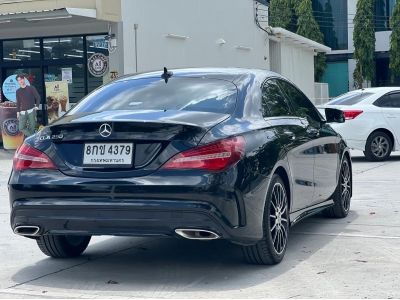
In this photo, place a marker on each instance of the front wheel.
(63, 246)
(271, 249)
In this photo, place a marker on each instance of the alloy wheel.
(345, 185)
(279, 218)
(380, 146)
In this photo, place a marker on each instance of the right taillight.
(28, 157)
(216, 156)
(352, 114)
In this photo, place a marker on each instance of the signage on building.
(98, 65)
(57, 99)
(10, 127)
(10, 87)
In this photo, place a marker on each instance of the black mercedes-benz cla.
(199, 154)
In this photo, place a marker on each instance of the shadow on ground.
(362, 159)
(173, 265)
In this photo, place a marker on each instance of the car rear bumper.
(124, 217)
(156, 207)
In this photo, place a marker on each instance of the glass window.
(63, 48)
(18, 50)
(189, 94)
(96, 44)
(273, 102)
(301, 105)
(332, 18)
(391, 100)
(383, 12)
(76, 86)
(350, 98)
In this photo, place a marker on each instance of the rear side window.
(301, 105)
(180, 93)
(391, 100)
(350, 98)
(273, 101)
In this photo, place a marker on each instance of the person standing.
(28, 101)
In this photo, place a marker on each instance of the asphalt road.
(358, 257)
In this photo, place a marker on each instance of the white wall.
(297, 64)
(203, 22)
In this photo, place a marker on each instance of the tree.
(308, 27)
(395, 42)
(364, 42)
(280, 13)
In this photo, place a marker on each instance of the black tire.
(378, 147)
(271, 249)
(63, 246)
(343, 193)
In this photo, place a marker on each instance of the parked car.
(201, 154)
(372, 120)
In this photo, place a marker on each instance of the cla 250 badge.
(10, 127)
(51, 137)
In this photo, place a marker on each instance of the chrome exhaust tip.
(27, 230)
(197, 234)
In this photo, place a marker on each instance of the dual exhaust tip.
(27, 230)
(190, 234)
(197, 234)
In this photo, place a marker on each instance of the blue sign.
(10, 87)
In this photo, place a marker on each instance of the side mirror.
(333, 115)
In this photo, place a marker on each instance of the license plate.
(108, 155)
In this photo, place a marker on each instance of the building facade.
(335, 18)
(90, 42)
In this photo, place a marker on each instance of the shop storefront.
(69, 60)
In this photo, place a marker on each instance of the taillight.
(216, 156)
(352, 114)
(28, 157)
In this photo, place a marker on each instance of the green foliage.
(364, 42)
(280, 13)
(395, 42)
(308, 27)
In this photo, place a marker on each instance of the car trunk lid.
(155, 136)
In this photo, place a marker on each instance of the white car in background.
(372, 120)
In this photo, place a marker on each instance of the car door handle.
(290, 134)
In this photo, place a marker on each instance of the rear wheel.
(63, 246)
(271, 249)
(378, 146)
(342, 196)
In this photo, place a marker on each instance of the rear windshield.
(180, 93)
(350, 98)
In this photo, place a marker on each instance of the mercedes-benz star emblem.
(105, 130)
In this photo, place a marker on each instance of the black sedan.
(200, 154)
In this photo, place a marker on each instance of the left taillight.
(216, 156)
(28, 157)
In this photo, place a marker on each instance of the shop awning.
(279, 33)
(43, 15)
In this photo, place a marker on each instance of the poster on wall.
(10, 87)
(57, 99)
(66, 74)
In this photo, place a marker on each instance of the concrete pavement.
(355, 257)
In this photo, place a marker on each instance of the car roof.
(235, 75)
(379, 90)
